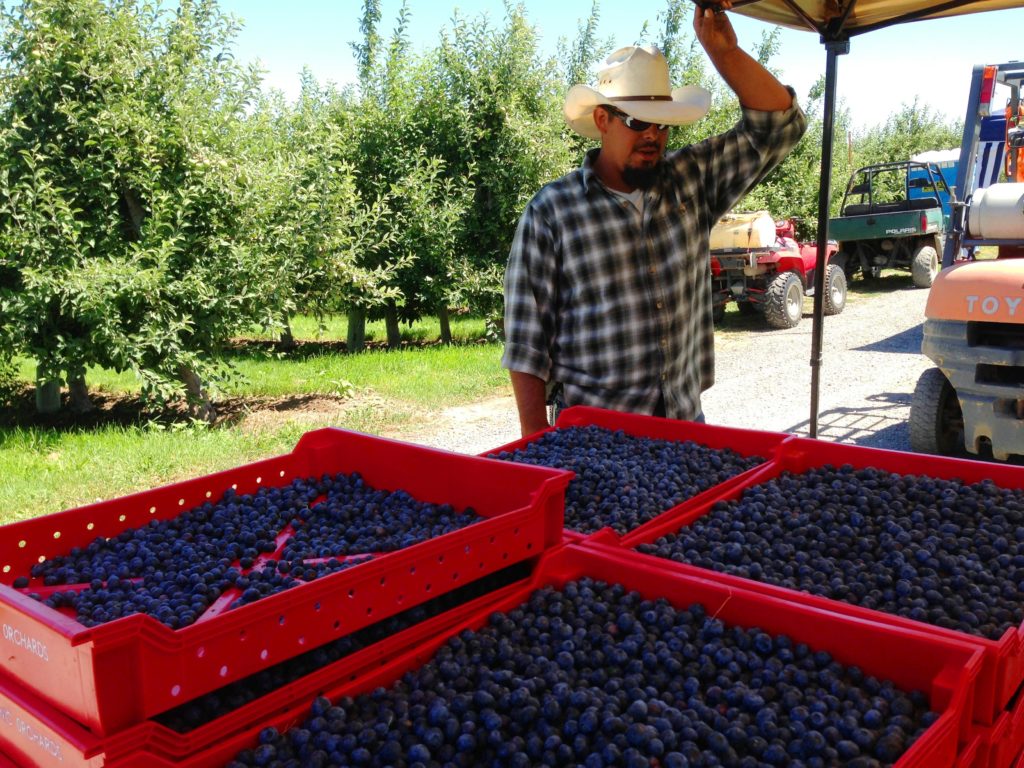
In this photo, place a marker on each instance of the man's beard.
(641, 178)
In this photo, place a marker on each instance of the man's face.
(635, 154)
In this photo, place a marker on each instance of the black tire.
(936, 422)
(718, 312)
(924, 266)
(834, 299)
(784, 301)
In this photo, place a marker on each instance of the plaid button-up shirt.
(618, 310)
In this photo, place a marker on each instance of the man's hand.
(714, 30)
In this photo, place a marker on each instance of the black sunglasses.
(632, 123)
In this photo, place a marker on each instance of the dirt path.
(871, 362)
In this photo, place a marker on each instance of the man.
(607, 290)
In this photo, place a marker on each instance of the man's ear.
(601, 119)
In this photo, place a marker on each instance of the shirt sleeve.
(530, 290)
(732, 163)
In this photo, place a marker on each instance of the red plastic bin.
(744, 441)
(1001, 744)
(42, 737)
(1003, 667)
(944, 669)
(115, 675)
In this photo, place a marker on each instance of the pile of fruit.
(594, 675)
(623, 481)
(243, 546)
(937, 551)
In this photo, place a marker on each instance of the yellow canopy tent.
(836, 22)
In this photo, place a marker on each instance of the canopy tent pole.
(834, 49)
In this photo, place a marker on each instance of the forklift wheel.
(936, 422)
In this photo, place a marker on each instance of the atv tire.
(924, 266)
(936, 421)
(784, 301)
(717, 312)
(834, 299)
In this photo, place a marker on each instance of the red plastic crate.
(944, 669)
(115, 675)
(744, 441)
(1000, 745)
(1003, 668)
(42, 737)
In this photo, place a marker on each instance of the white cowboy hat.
(635, 80)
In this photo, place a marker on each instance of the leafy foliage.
(154, 202)
(120, 201)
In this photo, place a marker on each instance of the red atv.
(768, 277)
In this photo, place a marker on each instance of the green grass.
(432, 376)
(44, 470)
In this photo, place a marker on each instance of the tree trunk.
(199, 405)
(391, 324)
(287, 337)
(444, 319)
(355, 341)
(78, 391)
(47, 393)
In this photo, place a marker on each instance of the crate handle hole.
(22, 544)
(224, 671)
(302, 641)
(175, 690)
(467, 549)
(259, 480)
(351, 593)
(281, 620)
(200, 652)
(369, 611)
(455, 576)
(264, 654)
(316, 607)
(209, 494)
(504, 555)
(181, 502)
(90, 526)
(428, 587)
(152, 510)
(440, 558)
(122, 518)
(7, 569)
(56, 534)
(337, 624)
(529, 546)
(412, 569)
(383, 580)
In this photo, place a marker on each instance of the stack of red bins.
(994, 732)
(77, 696)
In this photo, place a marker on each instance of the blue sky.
(883, 70)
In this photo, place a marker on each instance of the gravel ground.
(871, 360)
